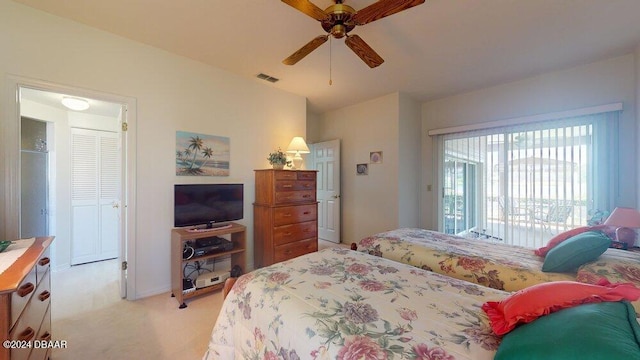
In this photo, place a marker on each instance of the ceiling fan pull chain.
(330, 53)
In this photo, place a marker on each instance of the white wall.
(410, 168)
(372, 203)
(599, 83)
(172, 93)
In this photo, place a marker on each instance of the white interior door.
(95, 195)
(327, 161)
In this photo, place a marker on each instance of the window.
(521, 184)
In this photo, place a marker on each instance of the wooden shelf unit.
(179, 236)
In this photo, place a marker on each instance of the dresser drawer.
(284, 197)
(41, 298)
(292, 185)
(306, 175)
(21, 296)
(285, 175)
(294, 232)
(294, 214)
(42, 265)
(289, 251)
(44, 334)
(28, 325)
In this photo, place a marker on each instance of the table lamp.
(298, 146)
(626, 220)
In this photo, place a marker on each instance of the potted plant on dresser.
(278, 159)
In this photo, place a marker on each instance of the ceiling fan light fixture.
(76, 104)
(339, 19)
(339, 31)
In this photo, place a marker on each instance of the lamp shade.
(625, 220)
(297, 145)
(624, 217)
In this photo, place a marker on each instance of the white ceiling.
(436, 49)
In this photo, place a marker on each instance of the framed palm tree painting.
(201, 155)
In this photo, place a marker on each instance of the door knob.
(335, 196)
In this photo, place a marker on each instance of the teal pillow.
(596, 331)
(571, 253)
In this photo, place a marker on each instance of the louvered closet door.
(95, 195)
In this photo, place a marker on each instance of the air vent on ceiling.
(267, 77)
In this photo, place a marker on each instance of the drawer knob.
(25, 289)
(306, 213)
(44, 295)
(27, 334)
(46, 336)
(306, 196)
(287, 234)
(44, 261)
(286, 215)
(287, 186)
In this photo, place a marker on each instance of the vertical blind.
(521, 184)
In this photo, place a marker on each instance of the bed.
(343, 304)
(484, 262)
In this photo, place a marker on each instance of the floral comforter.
(617, 266)
(343, 304)
(484, 262)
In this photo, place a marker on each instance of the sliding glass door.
(521, 184)
(460, 184)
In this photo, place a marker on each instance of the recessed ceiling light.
(75, 103)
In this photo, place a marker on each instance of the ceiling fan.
(338, 19)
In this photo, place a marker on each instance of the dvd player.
(211, 245)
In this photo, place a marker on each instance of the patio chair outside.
(516, 210)
(557, 214)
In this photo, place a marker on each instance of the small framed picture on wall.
(362, 169)
(375, 157)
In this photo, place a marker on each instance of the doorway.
(326, 159)
(47, 108)
(34, 175)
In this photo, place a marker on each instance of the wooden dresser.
(25, 297)
(285, 215)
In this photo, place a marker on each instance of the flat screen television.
(206, 205)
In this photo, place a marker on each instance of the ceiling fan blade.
(308, 8)
(364, 51)
(382, 8)
(305, 50)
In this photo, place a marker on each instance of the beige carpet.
(88, 313)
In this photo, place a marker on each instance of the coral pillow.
(530, 303)
(562, 237)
